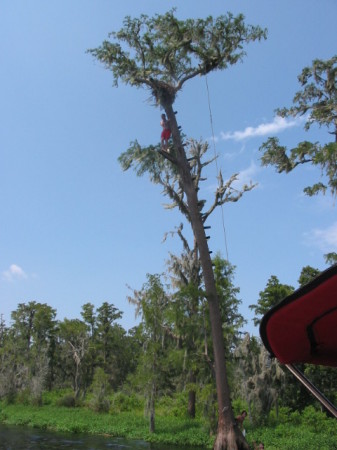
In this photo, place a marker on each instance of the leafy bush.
(23, 397)
(309, 430)
(67, 400)
(295, 418)
(52, 397)
(206, 402)
(99, 404)
(284, 415)
(10, 398)
(175, 406)
(313, 419)
(100, 389)
(121, 402)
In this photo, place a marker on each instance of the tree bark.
(229, 436)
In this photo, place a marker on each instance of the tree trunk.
(229, 437)
(191, 396)
(152, 408)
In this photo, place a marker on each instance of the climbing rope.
(216, 163)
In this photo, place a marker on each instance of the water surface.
(23, 438)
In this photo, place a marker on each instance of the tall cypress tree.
(162, 53)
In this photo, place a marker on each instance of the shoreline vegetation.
(93, 377)
(129, 425)
(311, 430)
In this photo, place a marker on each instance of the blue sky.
(73, 227)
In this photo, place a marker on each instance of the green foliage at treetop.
(317, 102)
(173, 51)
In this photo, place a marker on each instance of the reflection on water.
(22, 438)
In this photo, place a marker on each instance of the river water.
(23, 438)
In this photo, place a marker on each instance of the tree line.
(168, 354)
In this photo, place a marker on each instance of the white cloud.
(276, 126)
(325, 240)
(246, 176)
(14, 273)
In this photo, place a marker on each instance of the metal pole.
(311, 388)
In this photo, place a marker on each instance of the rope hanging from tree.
(216, 163)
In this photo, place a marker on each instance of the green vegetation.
(92, 376)
(131, 425)
(310, 430)
(155, 382)
(316, 102)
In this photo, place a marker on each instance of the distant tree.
(151, 305)
(187, 312)
(308, 273)
(3, 330)
(331, 258)
(269, 297)
(246, 355)
(73, 349)
(107, 315)
(232, 319)
(34, 329)
(109, 346)
(12, 367)
(100, 390)
(161, 54)
(258, 379)
(89, 316)
(317, 101)
(23, 324)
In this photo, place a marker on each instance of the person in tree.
(166, 133)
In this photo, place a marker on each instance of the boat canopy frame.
(302, 328)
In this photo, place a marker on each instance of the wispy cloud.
(246, 176)
(264, 129)
(324, 239)
(14, 272)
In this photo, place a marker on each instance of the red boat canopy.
(302, 328)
